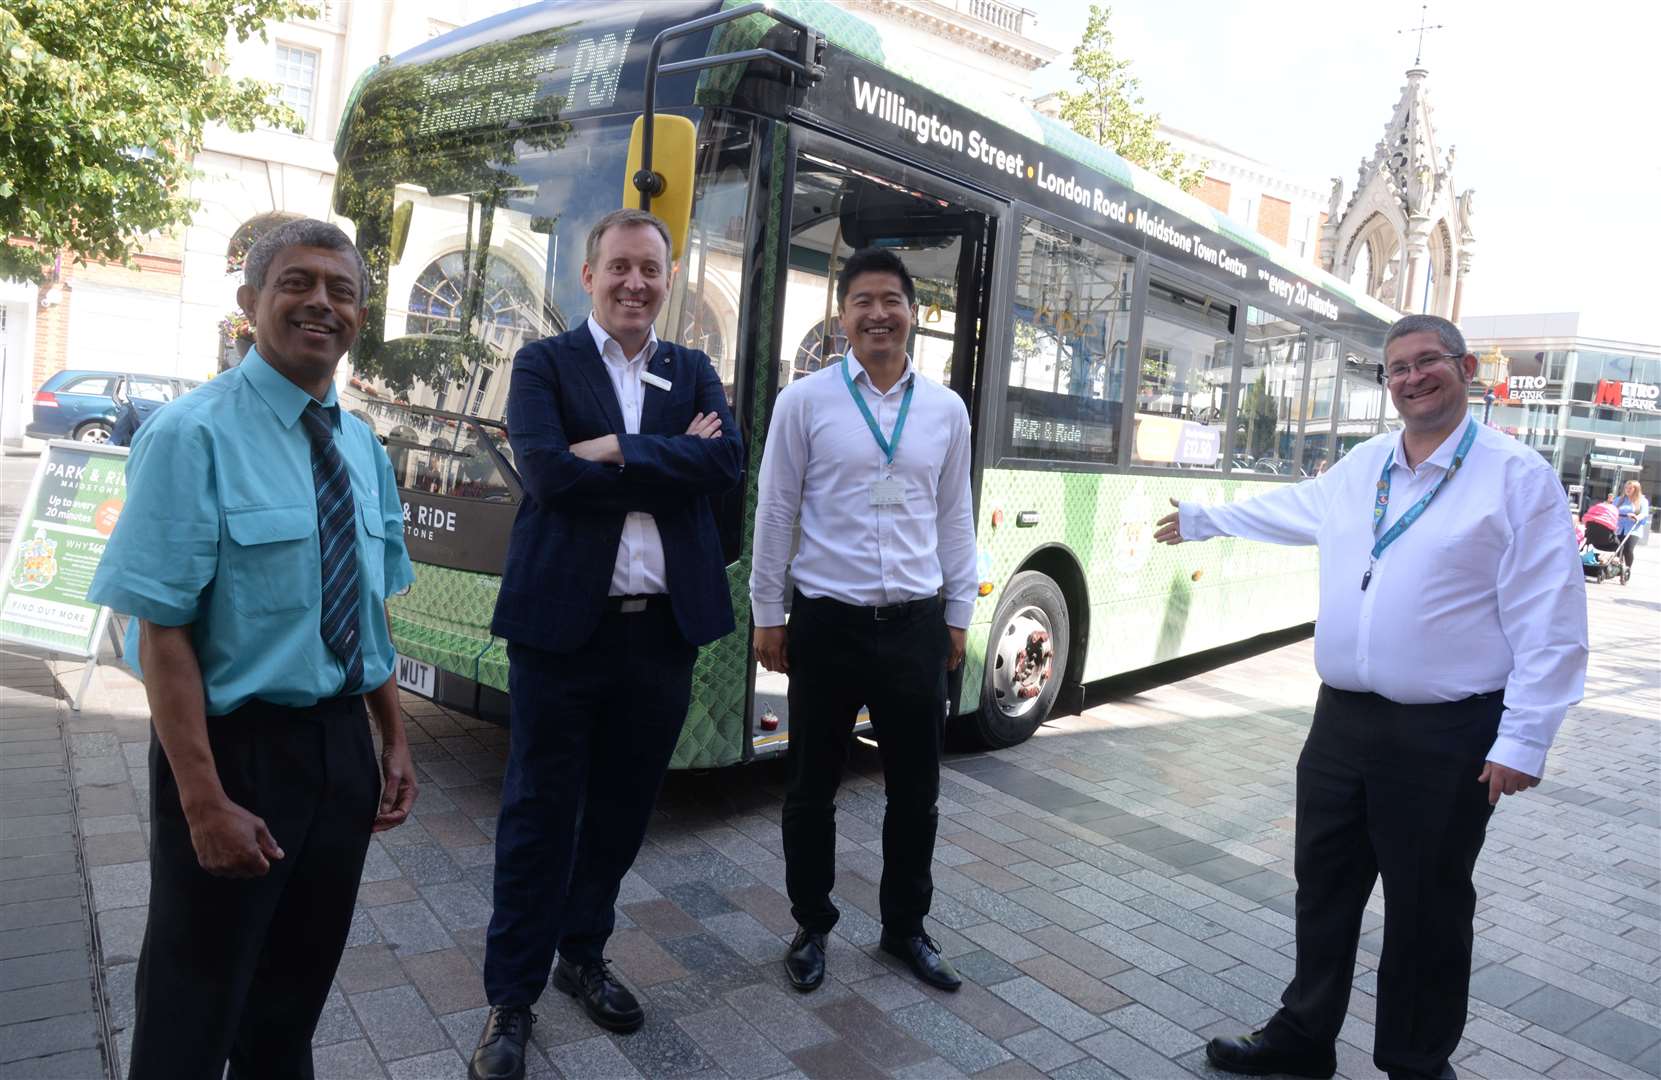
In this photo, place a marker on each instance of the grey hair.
(626, 218)
(1446, 333)
(304, 232)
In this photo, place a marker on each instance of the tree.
(1107, 107)
(1261, 412)
(102, 107)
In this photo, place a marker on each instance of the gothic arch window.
(1375, 259)
(824, 342)
(701, 327)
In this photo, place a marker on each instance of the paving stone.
(1002, 942)
(1149, 1027)
(740, 931)
(47, 1001)
(1043, 1049)
(1129, 1057)
(28, 914)
(951, 1037)
(397, 1022)
(424, 864)
(71, 1065)
(410, 928)
(982, 1010)
(982, 967)
(1554, 1008)
(1123, 944)
(1049, 1008)
(788, 1025)
(41, 970)
(446, 979)
(835, 1060)
(39, 1038)
(741, 1051)
(352, 1060)
(457, 904)
(120, 885)
(1500, 985)
(439, 1065)
(1085, 990)
(880, 1042)
(42, 939)
(1621, 1037)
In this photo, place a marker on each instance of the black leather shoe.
(607, 1001)
(922, 955)
(501, 1051)
(805, 962)
(1255, 1055)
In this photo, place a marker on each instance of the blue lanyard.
(890, 445)
(1406, 521)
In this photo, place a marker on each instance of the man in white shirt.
(872, 460)
(1451, 641)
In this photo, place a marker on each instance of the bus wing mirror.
(674, 144)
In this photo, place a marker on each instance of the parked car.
(83, 405)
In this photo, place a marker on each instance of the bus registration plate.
(416, 676)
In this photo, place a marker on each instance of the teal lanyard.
(1406, 521)
(891, 445)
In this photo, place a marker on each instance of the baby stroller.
(1601, 548)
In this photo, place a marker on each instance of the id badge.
(887, 492)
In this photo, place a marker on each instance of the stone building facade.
(1404, 232)
(171, 315)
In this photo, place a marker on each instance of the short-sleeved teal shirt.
(219, 531)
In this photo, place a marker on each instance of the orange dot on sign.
(103, 518)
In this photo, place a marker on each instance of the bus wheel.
(1026, 661)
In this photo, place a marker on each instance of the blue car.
(83, 405)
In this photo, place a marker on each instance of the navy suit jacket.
(565, 537)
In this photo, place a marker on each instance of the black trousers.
(842, 657)
(1389, 790)
(592, 734)
(238, 969)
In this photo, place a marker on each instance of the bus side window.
(1067, 347)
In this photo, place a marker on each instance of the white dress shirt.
(818, 466)
(1483, 592)
(639, 569)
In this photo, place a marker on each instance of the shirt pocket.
(273, 565)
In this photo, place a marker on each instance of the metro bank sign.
(1627, 395)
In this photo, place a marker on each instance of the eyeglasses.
(1398, 372)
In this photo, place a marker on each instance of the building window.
(296, 78)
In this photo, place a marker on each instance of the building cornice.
(946, 20)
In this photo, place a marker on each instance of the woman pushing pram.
(1601, 544)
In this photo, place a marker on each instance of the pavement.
(1115, 891)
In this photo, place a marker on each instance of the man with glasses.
(1450, 643)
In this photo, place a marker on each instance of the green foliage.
(1260, 411)
(102, 107)
(388, 142)
(1107, 107)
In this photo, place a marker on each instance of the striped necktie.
(337, 541)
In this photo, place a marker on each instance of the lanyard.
(890, 445)
(1406, 521)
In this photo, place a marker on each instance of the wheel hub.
(1023, 662)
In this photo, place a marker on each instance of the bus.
(1116, 341)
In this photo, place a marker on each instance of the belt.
(634, 605)
(885, 613)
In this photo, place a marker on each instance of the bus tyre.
(1026, 661)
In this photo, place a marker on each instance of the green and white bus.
(1117, 342)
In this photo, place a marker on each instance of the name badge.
(654, 380)
(888, 492)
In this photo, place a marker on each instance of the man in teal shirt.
(261, 536)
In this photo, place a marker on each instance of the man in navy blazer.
(614, 578)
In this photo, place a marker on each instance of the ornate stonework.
(1403, 235)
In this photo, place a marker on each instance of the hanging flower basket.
(236, 327)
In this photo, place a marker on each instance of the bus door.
(843, 200)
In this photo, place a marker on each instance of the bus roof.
(847, 31)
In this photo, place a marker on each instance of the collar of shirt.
(1441, 457)
(856, 371)
(611, 350)
(285, 400)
